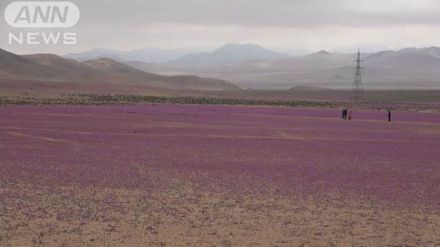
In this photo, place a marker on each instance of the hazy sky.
(283, 25)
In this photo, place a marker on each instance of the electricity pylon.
(357, 92)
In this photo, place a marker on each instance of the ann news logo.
(42, 16)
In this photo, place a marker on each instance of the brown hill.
(15, 71)
(17, 67)
(130, 74)
(67, 70)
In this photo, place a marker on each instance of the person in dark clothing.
(344, 113)
(389, 115)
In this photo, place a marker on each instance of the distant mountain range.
(150, 55)
(228, 54)
(409, 68)
(42, 72)
(235, 66)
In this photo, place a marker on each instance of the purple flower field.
(231, 149)
(184, 175)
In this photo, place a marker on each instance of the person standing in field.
(389, 115)
(350, 115)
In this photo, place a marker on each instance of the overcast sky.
(294, 26)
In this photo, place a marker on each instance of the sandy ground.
(183, 214)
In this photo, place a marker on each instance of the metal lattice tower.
(357, 92)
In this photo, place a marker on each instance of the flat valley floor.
(186, 175)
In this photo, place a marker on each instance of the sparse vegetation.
(375, 100)
(95, 99)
